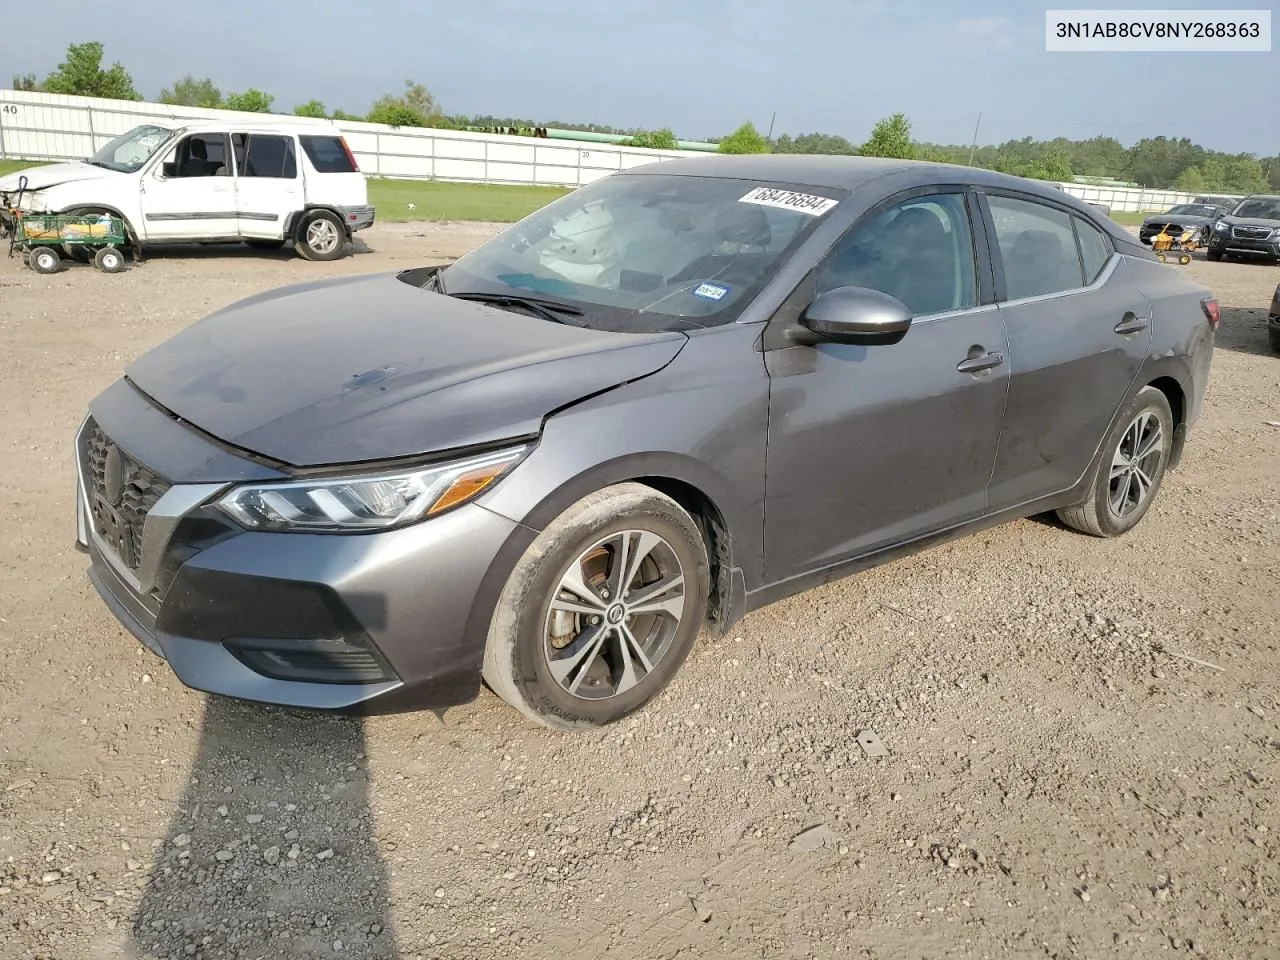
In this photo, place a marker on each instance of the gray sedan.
(669, 398)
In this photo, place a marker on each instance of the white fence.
(44, 126)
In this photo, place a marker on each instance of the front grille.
(121, 492)
(1250, 233)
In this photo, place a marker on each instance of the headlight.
(1220, 227)
(366, 502)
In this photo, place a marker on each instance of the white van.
(263, 181)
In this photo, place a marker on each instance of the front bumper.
(354, 623)
(357, 218)
(1224, 242)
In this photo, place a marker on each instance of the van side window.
(327, 154)
(265, 155)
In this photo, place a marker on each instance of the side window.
(920, 251)
(1037, 248)
(327, 154)
(265, 155)
(199, 155)
(1095, 248)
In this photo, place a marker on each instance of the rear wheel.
(321, 236)
(601, 611)
(109, 260)
(1133, 465)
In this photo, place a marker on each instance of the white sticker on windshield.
(788, 200)
(711, 291)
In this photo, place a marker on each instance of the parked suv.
(1252, 229)
(264, 182)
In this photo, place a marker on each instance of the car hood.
(1177, 218)
(372, 368)
(55, 173)
(1251, 222)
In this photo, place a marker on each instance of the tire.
(1184, 259)
(1273, 337)
(1117, 503)
(1214, 255)
(109, 260)
(265, 244)
(593, 681)
(321, 236)
(44, 260)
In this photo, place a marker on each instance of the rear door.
(1079, 331)
(268, 184)
(333, 179)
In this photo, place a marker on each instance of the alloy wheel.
(614, 614)
(1136, 464)
(322, 236)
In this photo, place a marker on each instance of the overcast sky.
(701, 67)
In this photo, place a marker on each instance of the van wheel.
(601, 611)
(321, 236)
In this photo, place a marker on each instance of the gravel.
(1061, 781)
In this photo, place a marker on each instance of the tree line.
(1158, 162)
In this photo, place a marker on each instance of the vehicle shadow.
(271, 851)
(235, 251)
(1244, 331)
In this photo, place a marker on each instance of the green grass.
(433, 200)
(9, 166)
(1128, 219)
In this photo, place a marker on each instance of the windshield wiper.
(547, 309)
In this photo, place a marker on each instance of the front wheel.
(44, 260)
(321, 236)
(601, 610)
(1133, 465)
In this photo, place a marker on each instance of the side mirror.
(854, 315)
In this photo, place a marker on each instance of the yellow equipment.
(1166, 245)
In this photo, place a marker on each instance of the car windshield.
(1192, 210)
(646, 252)
(129, 151)
(1263, 208)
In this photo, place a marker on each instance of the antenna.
(974, 144)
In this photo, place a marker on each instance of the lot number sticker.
(788, 200)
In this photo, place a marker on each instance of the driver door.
(871, 446)
(191, 195)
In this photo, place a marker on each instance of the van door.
(268, 187)
(191, 194)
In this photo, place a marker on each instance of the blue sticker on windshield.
(711, 291)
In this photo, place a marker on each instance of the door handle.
(981, 362)
(1130, 324)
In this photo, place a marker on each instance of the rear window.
(327, 154)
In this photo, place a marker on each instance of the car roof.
(250, 122)
(854, 173)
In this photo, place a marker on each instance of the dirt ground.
(1062, 781)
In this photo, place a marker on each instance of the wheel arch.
(293, 219)
(686, 481)
(76, 208)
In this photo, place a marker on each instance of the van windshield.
(129, 151)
